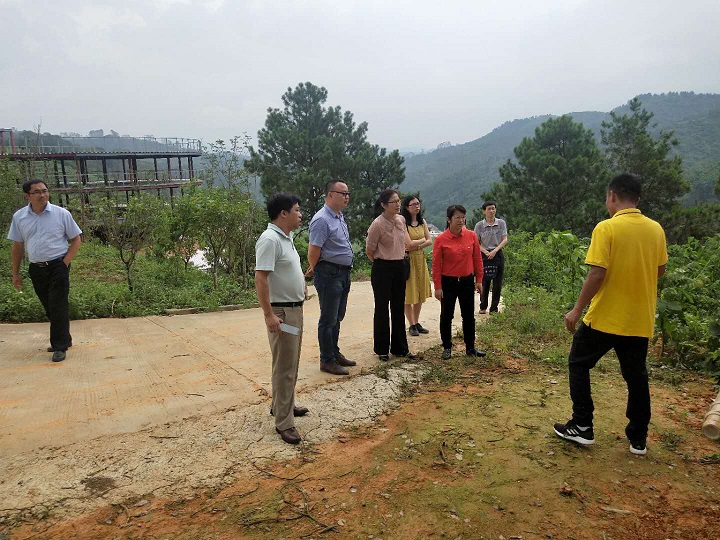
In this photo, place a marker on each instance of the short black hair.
(451, 212)
(27, 184)
(279, 202)
(627, 187)
(489, 203)
(404, 209)
(331, 184)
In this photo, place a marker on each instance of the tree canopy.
(558, 182)
(305, 144)
(631, 148)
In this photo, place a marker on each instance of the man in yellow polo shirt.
(627, 255)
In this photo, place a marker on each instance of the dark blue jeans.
(332, 283)
(588, 346)
(52, 286)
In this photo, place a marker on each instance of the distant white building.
(434, 231)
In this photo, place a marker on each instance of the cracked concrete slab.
(177, 458)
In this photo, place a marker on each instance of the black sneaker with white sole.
(572, 432)
(639, 448)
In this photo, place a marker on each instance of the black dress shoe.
(411, 356)
(297, 411)
(475, 352)
(335, 369)
(384, 357)
(58, 356)
(446, 354)
(414, 331)
(342, 361)
(290, 435)
(420, 328)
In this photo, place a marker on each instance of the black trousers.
(462, 290)
(588, 347)
(388, 283)
(499, 261)
(52, 286)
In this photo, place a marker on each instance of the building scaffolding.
(81, 166)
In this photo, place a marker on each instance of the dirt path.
(475, 460)
(125, 375)
(471, 455)
(165, 404)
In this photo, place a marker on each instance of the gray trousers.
(285, 350)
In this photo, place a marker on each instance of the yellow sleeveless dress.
(417, 288)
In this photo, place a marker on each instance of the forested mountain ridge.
(461, 173)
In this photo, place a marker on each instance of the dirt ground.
(387, 456)
(126, 375)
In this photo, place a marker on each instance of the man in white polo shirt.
(43, 230)
(281, 291)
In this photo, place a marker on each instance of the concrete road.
(123, 375)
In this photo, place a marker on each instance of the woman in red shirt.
(457, 273)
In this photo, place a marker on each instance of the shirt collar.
(275, 228)
(332, 212)
(627, 211)
(493, 224)
(48, 208)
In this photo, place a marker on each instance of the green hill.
(461, 173)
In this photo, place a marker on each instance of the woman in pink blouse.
(385, 246)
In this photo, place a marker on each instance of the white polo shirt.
(276, 253)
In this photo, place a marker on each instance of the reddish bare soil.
(473, 459)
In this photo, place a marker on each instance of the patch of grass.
(530, 326)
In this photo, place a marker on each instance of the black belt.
(287, 304)
(455, 278)
(47, 263)
(339, 266)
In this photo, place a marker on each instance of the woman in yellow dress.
(417, 289)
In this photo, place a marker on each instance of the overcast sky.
(419, 72)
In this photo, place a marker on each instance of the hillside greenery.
(462, 173)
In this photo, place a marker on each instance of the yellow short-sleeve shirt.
(630, 247)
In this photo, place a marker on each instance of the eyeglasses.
(394, 202)
(39, 192)
(414, 204)
(343, 193)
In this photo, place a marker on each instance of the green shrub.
(98, 287)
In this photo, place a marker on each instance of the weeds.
(671, 440)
